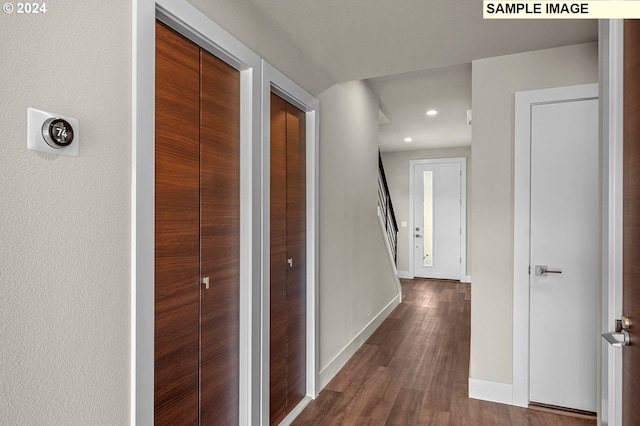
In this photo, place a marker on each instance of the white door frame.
(274, 80)
(255, 81)
(190, 22)
(463, 209)
(611, 39)
(522, 215)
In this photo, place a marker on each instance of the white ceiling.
(405, 99)
(366, 39)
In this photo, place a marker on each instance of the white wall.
(255, 30)
(356, 279)
(64, 232)
(396, 167)
(494, 82)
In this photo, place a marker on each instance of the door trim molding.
(521, 226)
(274, 80)
(611, 131)
(194, 25)
(463, 209)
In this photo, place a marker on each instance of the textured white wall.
(356, 279)
(495, 80)
(64, 228)
(396, 167)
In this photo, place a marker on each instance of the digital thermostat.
(57, 132)
(52, 133)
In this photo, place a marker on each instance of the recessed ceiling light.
(432, 112)
(408, 139)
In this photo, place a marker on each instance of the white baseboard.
(405, 274)
(491, 391)
(339, 361)
(408, 275)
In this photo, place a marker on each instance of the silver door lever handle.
(617, 340)
(542, 270)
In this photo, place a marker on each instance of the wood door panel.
(278, 262)
(219, 240)
(287, 241)
(278, 363)
(176, 229)
(278, 224)
(631, 222)
(278, 200)
(296, 250)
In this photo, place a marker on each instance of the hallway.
(414, 370)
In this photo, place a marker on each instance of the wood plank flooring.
(414, 371)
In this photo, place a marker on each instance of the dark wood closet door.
(177, 228)
(296, 250)
(220, 240)
(197, 235)
(278, 264)
(288, 241)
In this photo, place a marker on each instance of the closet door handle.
(290, 262)
(205, 281)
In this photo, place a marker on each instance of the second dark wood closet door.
(288, 259)
(197, 235)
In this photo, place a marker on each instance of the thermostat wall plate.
(52, 133)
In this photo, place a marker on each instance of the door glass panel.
(427, 256)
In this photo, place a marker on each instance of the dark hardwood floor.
(414, 371)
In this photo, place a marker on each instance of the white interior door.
(565, 239)
(437, 220)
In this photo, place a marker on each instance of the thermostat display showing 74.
(52, 133)
(57, 132)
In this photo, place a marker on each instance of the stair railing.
(386, 209)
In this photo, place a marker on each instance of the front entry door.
(564, 252)
(437, 201)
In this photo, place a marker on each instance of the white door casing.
(445, 231)
(275, 81)
(611, 47)
(565, 320)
